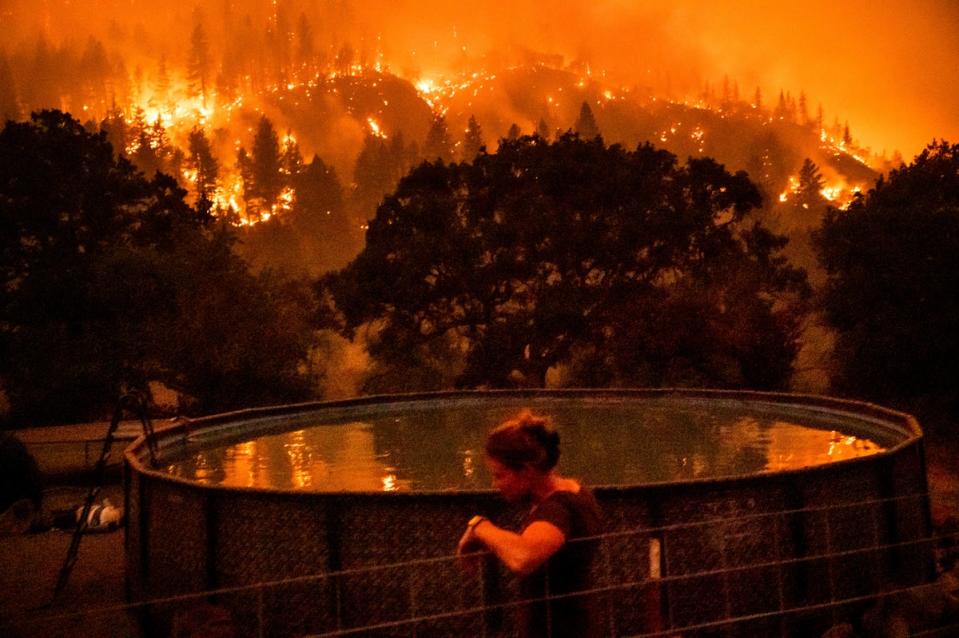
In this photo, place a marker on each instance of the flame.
(375, 128)
(177, 110)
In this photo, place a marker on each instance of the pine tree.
(203, 163)
(9, 102)
(305, 49)
(707, 95)
(145, 156)
(820, 124)
(758, 99)
(266, 163)
(514, 132)
(437, 144)
(318, 209)
(400, 156)
(473, 141)
(42, 91)
(116, 129)
(542, 130)
(135, 130)
(161, 87)
(803, 109)
(291, 163)
(846, 136)
(727, 102)
(790, 107)
(94, 71)
(811, 183)
(586, 124)
(244, 166)
(344, 59)
(136, 88)
(373, 175)
(781, 108)
(199, 64)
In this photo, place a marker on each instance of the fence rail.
(411, 615)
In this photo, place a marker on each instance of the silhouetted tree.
(161, 86)
(266, 162)
(344, 58)
(811, 183)
(727, 100)
(244, 166)
(305, 48)
(473, 140)
(373, 175)
(279, 40)
(149, 141)
(200, 61)
(94, 73)
(116, 129)
(542, 130)
(846, 136)
(203, 164)
(893, 285)
(514, 132)
(586, 124)
(401, 156)
(782, 108)
(9, 100)
(571, 253)
(320, 219)
(111, 281)
(803, 109)
(438, 144)
(291, 162)
(319, 200)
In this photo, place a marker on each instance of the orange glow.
(884, 75)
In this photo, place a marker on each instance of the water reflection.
(604, 442)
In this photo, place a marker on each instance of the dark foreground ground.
(30, 563)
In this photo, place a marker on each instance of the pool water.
(434, 448)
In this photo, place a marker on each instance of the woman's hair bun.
(525, 439)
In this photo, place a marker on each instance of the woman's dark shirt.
(577, 515)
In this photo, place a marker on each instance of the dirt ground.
(31, 565)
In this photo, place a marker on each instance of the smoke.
(888, 68)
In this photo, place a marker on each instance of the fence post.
(259, 612)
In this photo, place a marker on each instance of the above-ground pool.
(743, 513)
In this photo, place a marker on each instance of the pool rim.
(905, 425)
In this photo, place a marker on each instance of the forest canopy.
(602, 265)
(111, 281)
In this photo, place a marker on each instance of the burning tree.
(620, 267)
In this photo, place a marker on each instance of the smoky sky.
(891, 69)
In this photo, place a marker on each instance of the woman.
(547, 553)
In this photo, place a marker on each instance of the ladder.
(135, 403)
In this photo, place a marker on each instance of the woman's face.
(514, 485)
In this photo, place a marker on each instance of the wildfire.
(838, 193)
(375, 128)
(170, 113)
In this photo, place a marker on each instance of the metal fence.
(636, 591)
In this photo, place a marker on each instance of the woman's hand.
(467, 551)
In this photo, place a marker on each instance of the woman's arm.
(521, 553)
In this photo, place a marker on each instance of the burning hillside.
(237, 102)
